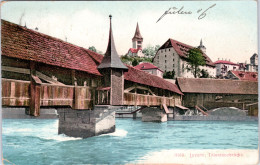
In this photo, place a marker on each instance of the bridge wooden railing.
(17, 93)
(148, 100)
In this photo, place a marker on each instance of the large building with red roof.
(172, 56)
(150, 68)
(223, 66)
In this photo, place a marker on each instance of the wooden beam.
(139, 87)
(129, 89)
(27, 71)
(48, 79)
(73, 77)
(166, 109)
(35, 91)
(16, 70)
(203, 112)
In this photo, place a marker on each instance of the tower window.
(173, 60)
(161, 51)
(165, 50)
(169, 49)
(165, 61)
(165, 55)
(173, 54)
(139, 42)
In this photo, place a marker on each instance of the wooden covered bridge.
(42, 71)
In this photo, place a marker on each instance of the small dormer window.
(241, 74)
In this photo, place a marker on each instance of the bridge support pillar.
(151, 114)
(134, 115)
(86, 123)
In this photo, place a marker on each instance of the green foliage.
(135, 62)
(156, 48)
(129, 60)
(169, 74)
(204, 74)
(150, 51)
(194, 60)
(92, 48)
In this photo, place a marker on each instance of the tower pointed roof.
(201, 45)
(137, 33)
(111, 58)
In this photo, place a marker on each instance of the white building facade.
(172, 55)
(223, 66)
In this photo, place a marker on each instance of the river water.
(35, 141)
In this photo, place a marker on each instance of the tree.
(195, 60)
(92, 48)
(169, 74)
(204, 74)
(150, 51)
(156, 48)
(135, 62)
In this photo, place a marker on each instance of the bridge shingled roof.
(23, 43)
(217, 86)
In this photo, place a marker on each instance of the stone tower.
(137, 40)
(113, 70)
(202, 47)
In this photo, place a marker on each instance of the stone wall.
(86, 123)
(151, 114)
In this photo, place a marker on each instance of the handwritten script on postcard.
(174, 10)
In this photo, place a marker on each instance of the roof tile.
(23, 43)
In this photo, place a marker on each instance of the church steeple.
(137, 40)
(137, 33)
(111, 58)
(202, 47)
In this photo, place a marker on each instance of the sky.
(228, 31)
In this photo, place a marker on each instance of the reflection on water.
(29, 141)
